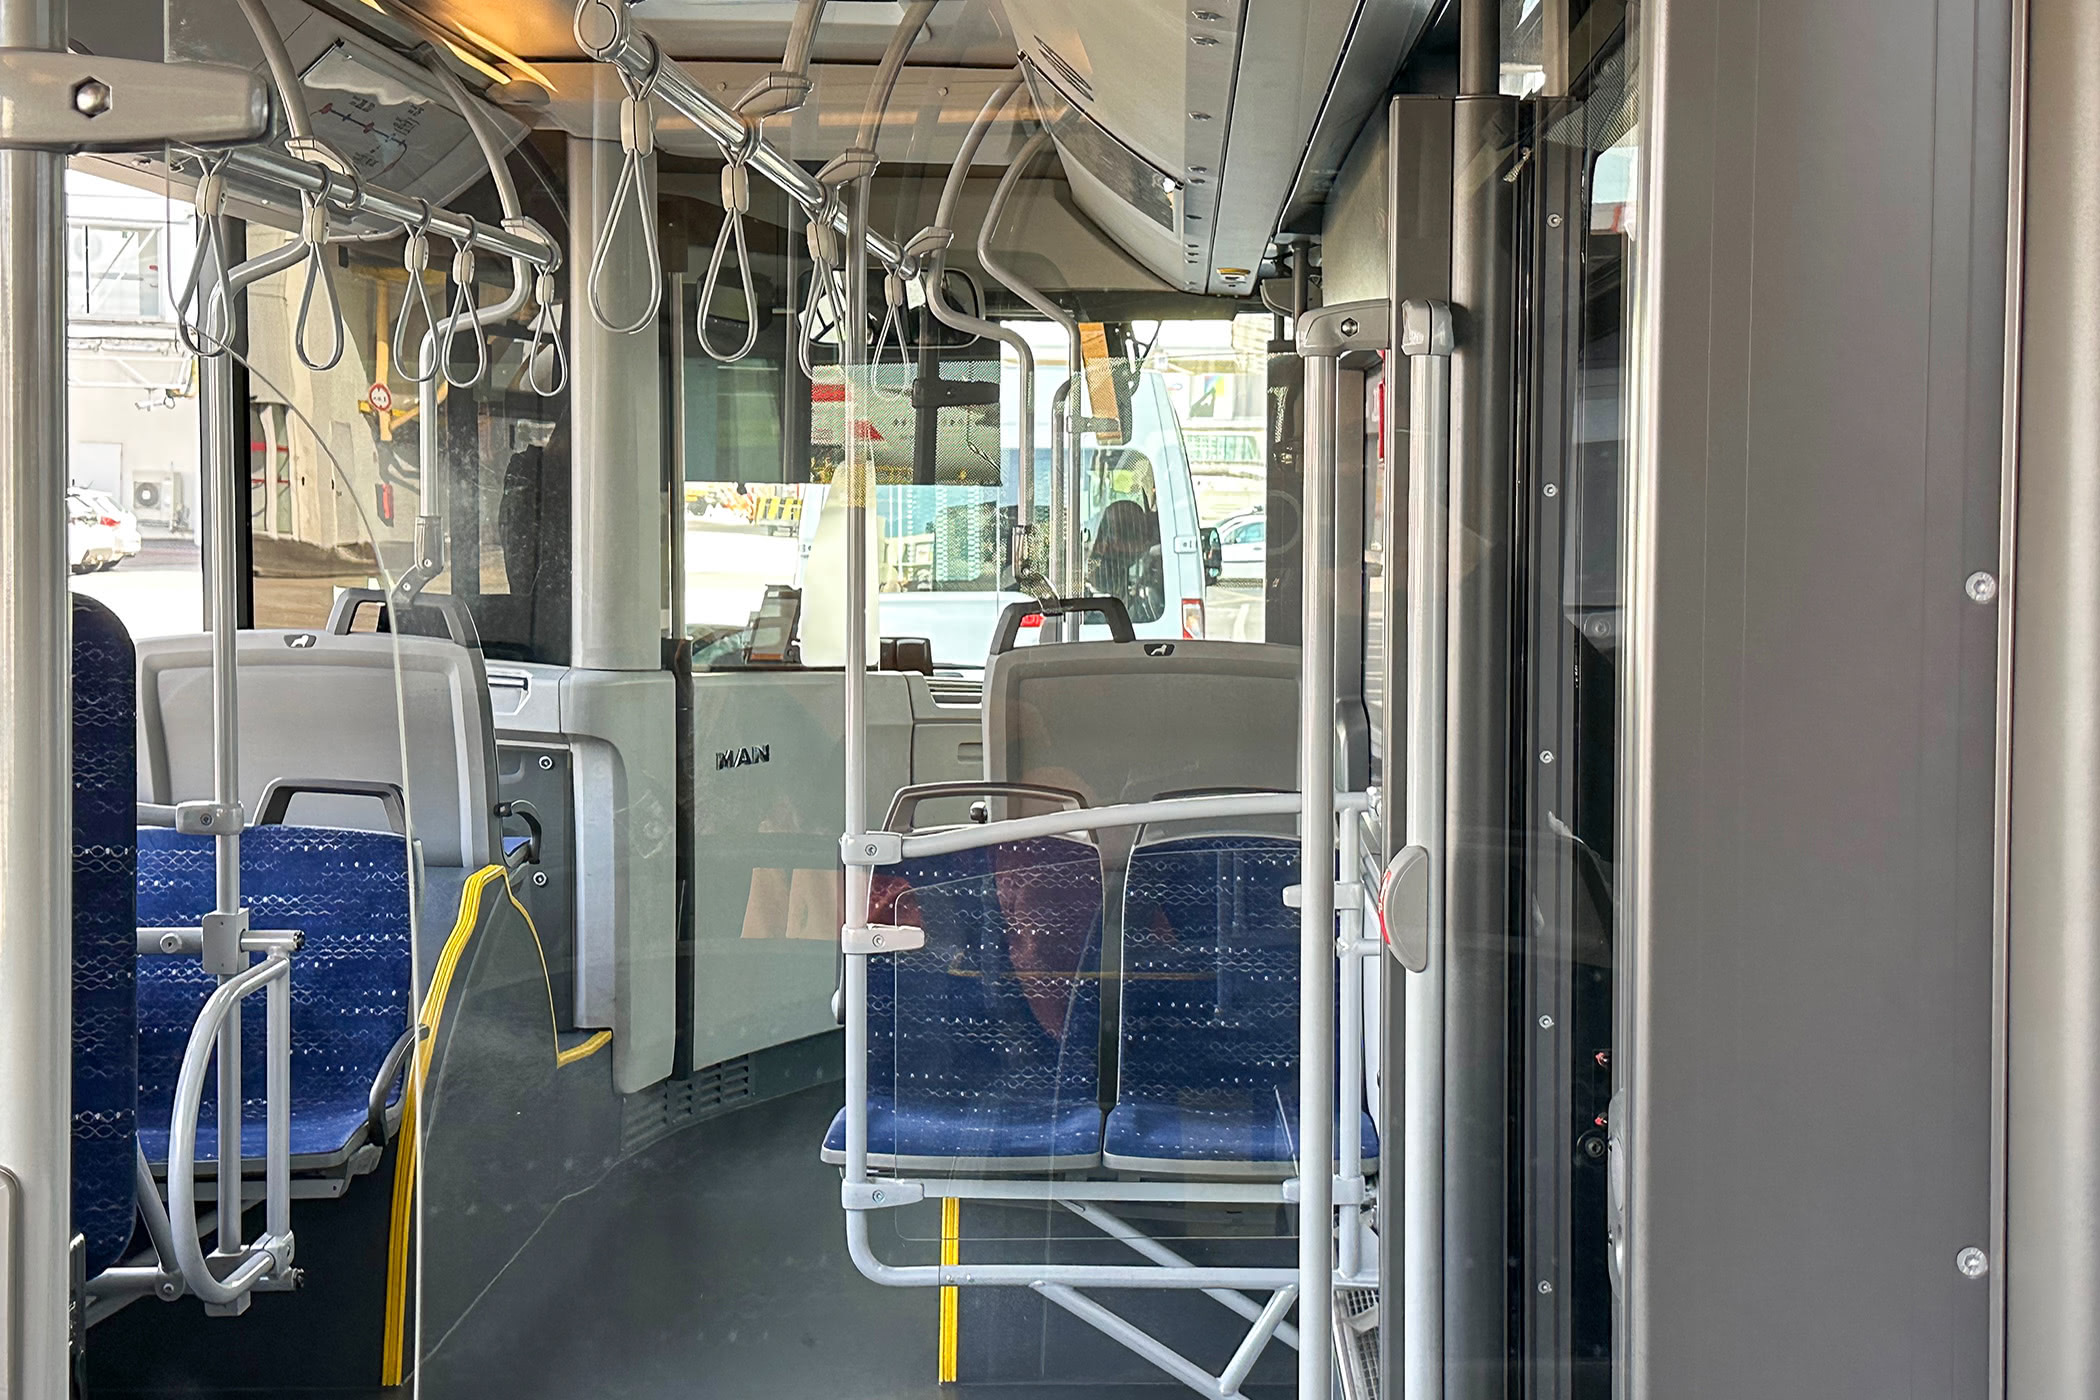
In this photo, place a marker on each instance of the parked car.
(100, 533)
(1244, 543)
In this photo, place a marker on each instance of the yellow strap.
(951, 1298)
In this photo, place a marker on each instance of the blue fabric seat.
(1208, 1073)
(983, 1046)
(348, 893)
(105, 937)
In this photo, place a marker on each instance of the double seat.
(986, 1051)
(324, 855)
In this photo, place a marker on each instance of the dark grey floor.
(711, 1266)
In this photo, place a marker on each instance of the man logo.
(302, 641)
(743, 758)
(1159, 648)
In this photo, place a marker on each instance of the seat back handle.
(459, 623)
(1110, 610)
(905, 805)
(277, 798)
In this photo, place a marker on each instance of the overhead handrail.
(465, 313)
(637, 145)
(606, 31)
(860, 159)
(932, 243)
(1067, 425)
(787, 87)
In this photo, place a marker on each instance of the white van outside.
(942, 561)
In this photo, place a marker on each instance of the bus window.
(132, 511)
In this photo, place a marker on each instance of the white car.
(1244, 544)
(100, 534)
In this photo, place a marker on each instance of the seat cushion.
(1154, 1135)
(1002, 1133)
(984, 1044)
(348, 893)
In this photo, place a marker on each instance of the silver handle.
(10, 1285)
(1426, 341)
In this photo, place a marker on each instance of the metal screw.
(1972, 1262)
(1545, 1023)
(1553, 221)
(1545, 1285)
(1980, 587)
(876, 940)
(871, 850)
(1349, 326)
(92, 97)
(1545, 755)
(1552, 490)
(547, 762)
(204, 820)
(878, 1198)
(539, 879)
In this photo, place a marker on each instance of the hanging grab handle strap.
(463, 317)
(736, 202)
(415, 261)
(638, 141)
(202, 339)
(546, 335)
(319, 272)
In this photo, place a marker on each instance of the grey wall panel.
(1809, 724)
(2052, 1255)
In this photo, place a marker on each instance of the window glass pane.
(132, 410)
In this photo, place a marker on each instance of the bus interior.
(781, 699)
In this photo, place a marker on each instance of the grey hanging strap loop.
(319, 272)
(638, 142)
(415, 261)
(463, 316)
(546, 335)
(201, 339)
(736, 203)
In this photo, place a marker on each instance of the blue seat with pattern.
(983, 1046)
(348, 893)
(1207, 1083)
(105, 939)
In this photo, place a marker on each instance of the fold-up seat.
(983, 1046)
(1207, 1081)
(347, 892)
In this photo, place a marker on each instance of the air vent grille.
(662, 1109)
(955, 692)
(1069, 77)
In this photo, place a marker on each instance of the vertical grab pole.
(1348, 1116)
(1426, 341)
(1324, 336)
(36, 789)
(224, 503)
(853, 357)
(1316, 891)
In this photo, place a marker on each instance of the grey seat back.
(315, 707)
(1131, 721)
